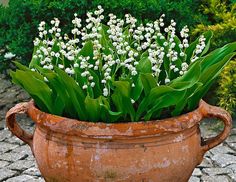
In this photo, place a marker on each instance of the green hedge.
(222, 14)
(20, 19)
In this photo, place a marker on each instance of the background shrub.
(222, 17)
(226, 91)
(20, 19)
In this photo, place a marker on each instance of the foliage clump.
(226, 91)
(121, 70)
(222, 17)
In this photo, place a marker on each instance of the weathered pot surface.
(68, 150)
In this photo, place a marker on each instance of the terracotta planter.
(68, 150)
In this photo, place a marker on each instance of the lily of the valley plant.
(121, 70)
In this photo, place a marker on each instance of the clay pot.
(68, 150)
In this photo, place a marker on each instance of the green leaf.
(121, 98)
(61, 104)
(166, 100)
(217, 55)
(137, 90)
(109, 116)
(123, 87)
(93, 108)
(144, 66)
(87, 49)
(148, 82)
(96, 89)
(207, 77)
(208, 35)
(154, 94)
(190, 77)
(37, 88)
(21, 66)
(75, 92)
(183, 102)
(34, 61)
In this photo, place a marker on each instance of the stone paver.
(17, 163)
(22, 178)
(215, 179)
(6, 173)
(224, 160)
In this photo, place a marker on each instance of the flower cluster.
(115, 50)
(121, 70)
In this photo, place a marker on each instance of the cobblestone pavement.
(18, 165)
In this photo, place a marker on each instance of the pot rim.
(69, 126)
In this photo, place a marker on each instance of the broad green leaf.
(208, 35)
(75, 92)
(87, 49)
(217, 55)
(166, 100)
(144, 66)
(123, 87)
(154, 94)
(38, 89)
(191, 76)
(34, 61)
(148, 82)
(21, 66)
(207, 77)
(93, 108)
(137, 90)
(121, 98)
(183, 102)
(97, 89)
(62, 104)
(107, 115)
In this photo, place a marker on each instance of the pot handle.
(209, 111)
(14, 126)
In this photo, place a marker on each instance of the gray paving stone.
(222, 150)
(6, 173)
(24, 149)
(4, 84)
(232, 177)
(194, 179)
(223, 160)
(216, 171)
(33, 171)
(37, 180)
(23, 96)
(231, 139)
(2, 122)
(22, 178)
(232, 167)
(6, 147)
(4, 134)
(215, 179)
(13, 156)
(30, 158)
(232, 145)
(3, 164)
(14, 140)
(206, 163)
(208, 154)
(197, 172)
(21, 165)
(233, 131)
